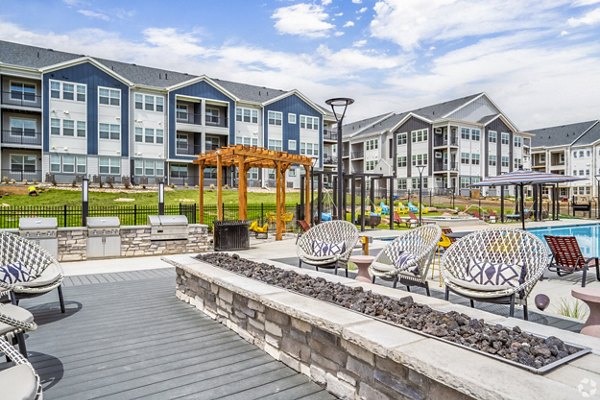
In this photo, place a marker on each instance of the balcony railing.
(22, 99)
(358, 154)
(441, 166)
(329, 160)
(329, 134)
(189, 150)
(189, 118)
(22, 137)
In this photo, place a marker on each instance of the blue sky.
(538, 60)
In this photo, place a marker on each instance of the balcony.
(188, 118)
(19, 175)
(442, 140)
(358, 154)
(327, 160)
(329, 134)
(22, 137)
(188, 149)
(440, 166)
(21, 99)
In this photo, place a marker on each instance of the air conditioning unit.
(438, 131)
(438, 154)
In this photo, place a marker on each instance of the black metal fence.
(70, 216)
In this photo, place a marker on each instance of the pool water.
(588, 236)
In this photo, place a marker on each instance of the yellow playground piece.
(259, 230)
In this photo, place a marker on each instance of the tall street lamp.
(597, 196)
(421, 168)
(341, 104)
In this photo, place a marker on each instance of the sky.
(539, 60)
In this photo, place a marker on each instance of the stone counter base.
(345, 369)
(357, 357)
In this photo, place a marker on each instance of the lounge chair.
(304, 227)
(442, 245)
(45, 273)
(567, 257)
(492, 218)
(19, 382)
(495, 266)
(14, 321)
(407, 258)
(411, 221)
(328, 245)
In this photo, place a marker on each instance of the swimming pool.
(588, 236)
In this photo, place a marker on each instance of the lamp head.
(338, 103)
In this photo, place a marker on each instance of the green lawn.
(59, 197)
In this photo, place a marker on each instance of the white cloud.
(579, 3)
(357, 1)
(326, 2)
(302, 19)
(73, 3)
(338, 34)
(94, 14)
(359, 43)
(348, 24)
(589, 18)
(362, 10)
(339, 14)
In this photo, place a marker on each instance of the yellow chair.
(442, 245)
(287, 218)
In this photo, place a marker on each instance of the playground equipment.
(385, 210)
(260, 232)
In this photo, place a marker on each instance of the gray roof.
(560, 135)
(487, 118)
(38, 57)
(590, 137)
(384, 125)
(353, 127)
(437, 111)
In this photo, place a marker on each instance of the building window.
(505, 138)
(55, 126)
(212, 116)
(291, 118)
(492, 160)
(292, 144)
(160, 103)
(149, 103)
(307, 122)
(504, 160)
(402, 138)
(66, 91)
(416, 183)
(182, 142)
(402, 183)
(246, 115)
(518, 141)
(22, 91)
(492, 136)
(139, 101)
(309, 149)
(419, 159)
(475, 134)
(148, 135)
(275, 144)
(23, 127)
(370, 165)
(246, 141)
(182, 112)
(81, 164)
(110, 131)
(159, 136)
(109, 165)
(23, 163)
(139, 135)
(68, 127)
(81, 128)
(419, 136)
(179, 171)
(109, 97)
(148, 168)
(517, 163)
(402, 161)
(464, 133)
(475, 159)
(55, 163)
(464, 158)
(372, 144)
(275, 118)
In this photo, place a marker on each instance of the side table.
(363, 263)
(590, 296)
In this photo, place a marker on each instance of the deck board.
(127, 336)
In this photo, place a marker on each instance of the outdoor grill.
(168, 227)
(104, 238)
(42, 231)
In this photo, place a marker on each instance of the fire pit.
(511, 345)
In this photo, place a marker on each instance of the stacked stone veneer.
(356, 357)
(135, 241)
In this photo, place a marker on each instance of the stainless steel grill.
(168, 227)
(42, 231)
(104, 237)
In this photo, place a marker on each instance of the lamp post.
(597, 196)
(161, 198)
(421, 168)
(85, 187)
(341, 103)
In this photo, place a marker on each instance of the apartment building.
(66, 116)
(458, 142)
(572, 149)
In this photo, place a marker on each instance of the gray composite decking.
(126, 336)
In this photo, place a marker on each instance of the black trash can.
(231, 235)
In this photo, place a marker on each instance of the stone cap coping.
(466, 371)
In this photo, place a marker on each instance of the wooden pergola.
(244, 158)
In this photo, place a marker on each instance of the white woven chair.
(421, 243)
(46, 272)
(14, 321)
(495, 246)
(19, 382)
(334, 233)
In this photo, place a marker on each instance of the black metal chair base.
(509, 300)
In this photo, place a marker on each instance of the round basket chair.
(45, 272)
(20, 381)
(392, 264)
(328, 245)
(496, 266)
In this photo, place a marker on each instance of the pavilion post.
(219, 188)
(502, 203)
(319, 196)
(307, 192)
(363, 189)
(242, 189)
(522, 199)
(391, 215)
(353, 200)
(278, 190)
(201, 193)
(282, 183)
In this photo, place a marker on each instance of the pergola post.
(307, 205)
(219, 188)
(242, 189)
(201, 194)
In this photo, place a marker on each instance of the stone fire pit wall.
(353, 356)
